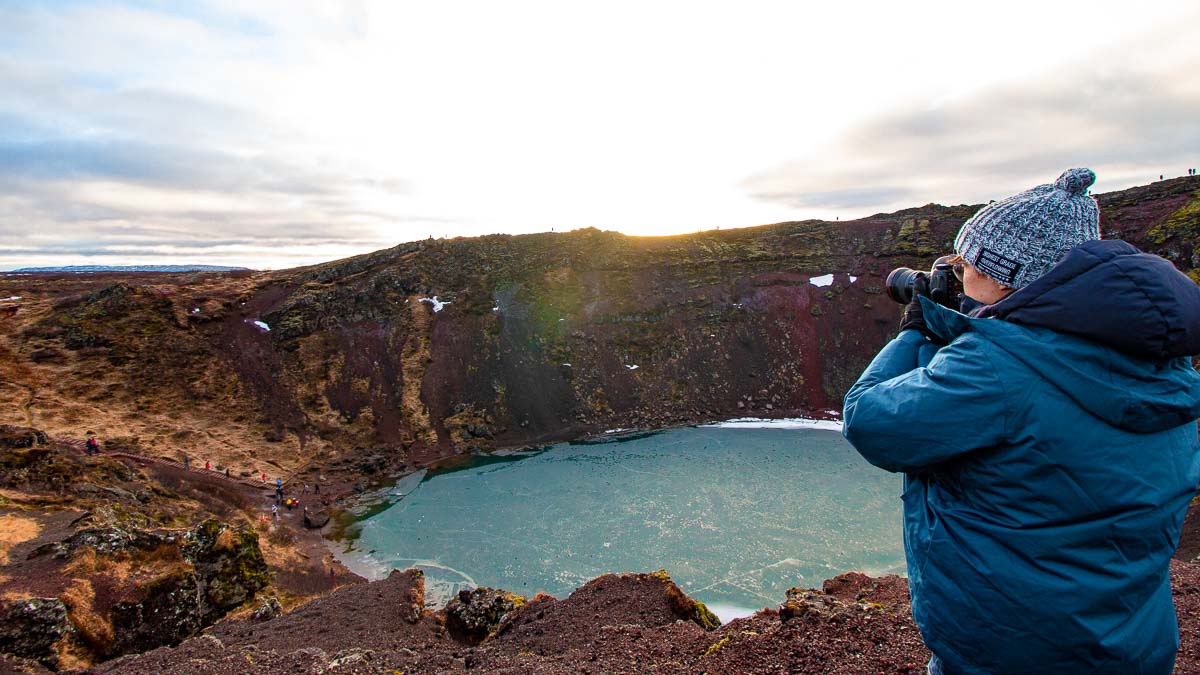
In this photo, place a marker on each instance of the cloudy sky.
(286, 132)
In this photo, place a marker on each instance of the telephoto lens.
(902, 284)
(940, 284)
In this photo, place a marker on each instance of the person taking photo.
(1048, 440)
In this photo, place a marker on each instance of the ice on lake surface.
(736, 515)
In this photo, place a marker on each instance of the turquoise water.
(736, 516)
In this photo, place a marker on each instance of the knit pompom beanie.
(1017, 240)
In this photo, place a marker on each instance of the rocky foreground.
(629, 623)
(100, 571)
(102, 556)
(614, 624)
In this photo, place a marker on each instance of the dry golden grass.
(277, 552)
(126, 568)
(129, 572)
(15, 529)
(87, 562)
(413, 360)
(76, 391)
(71, 655)
(225, 540)
(80, 600)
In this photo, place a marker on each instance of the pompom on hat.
(1016, 240)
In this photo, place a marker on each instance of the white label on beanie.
(996, 266)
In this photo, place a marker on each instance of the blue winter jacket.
(1050, 452)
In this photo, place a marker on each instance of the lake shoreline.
(343, 495)
(576, 541)
(345, 499)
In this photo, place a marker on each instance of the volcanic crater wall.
(547, 336)
(541, 337)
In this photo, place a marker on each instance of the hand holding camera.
(942, 284)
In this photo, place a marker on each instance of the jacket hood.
(1110, 292)
(1110, 326)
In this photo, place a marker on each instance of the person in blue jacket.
(1048, 442)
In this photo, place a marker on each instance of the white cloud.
(376, 122)
(1126, 119)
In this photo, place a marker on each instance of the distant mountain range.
(133, 268)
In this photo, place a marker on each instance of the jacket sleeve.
(903, 415)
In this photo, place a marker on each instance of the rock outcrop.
(128, 589)
(13, 437)
(268, 609)
(315, 520)
(474, 615)
(32, 629)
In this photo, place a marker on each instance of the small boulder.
(849, 586)
(15, 437)
(315, 520)
(474, 615)
(810, 605)
(30, 628)
(268, 609)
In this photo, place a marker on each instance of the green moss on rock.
(684, 606)
(1182, 224)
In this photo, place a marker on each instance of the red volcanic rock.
(628, 623)
(625, 623)
(848, 586)
(473, 615)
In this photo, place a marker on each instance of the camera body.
(938, 284)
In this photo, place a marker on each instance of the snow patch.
(853, 279)
(631, 367)
(821, 281)
(786, 423)
(496, 308)
(437, 304)
(567, 365)
(262, 325)
(195, 310)
(10, 298)
(617, 430)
